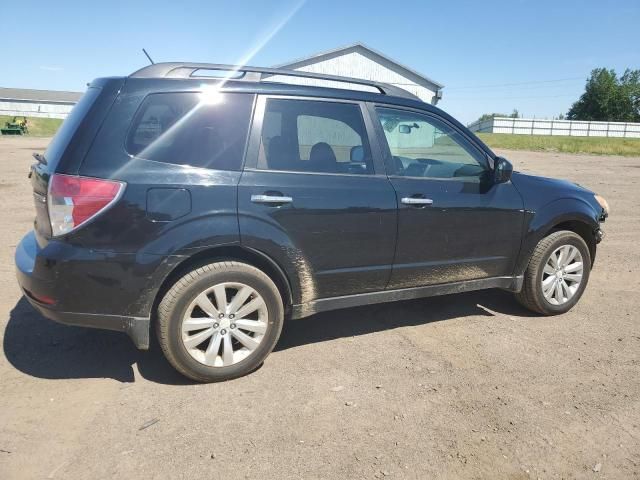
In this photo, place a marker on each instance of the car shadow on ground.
(387, 316)
(45, 349)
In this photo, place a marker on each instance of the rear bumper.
(136, 327)
(82, 287)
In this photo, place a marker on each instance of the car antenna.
(145, 52)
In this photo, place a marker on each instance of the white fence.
(570, 128)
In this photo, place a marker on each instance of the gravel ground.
(465, 386)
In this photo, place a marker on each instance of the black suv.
(215, 201)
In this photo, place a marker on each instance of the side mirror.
(502, 170)
(403, 128)
(357, 154)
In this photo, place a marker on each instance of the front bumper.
(77, 286)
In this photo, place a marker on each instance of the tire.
(532, 296)
(182, 322)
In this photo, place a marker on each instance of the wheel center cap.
(224, 322)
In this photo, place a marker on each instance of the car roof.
(274, 88)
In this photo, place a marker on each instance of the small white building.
(37, 103)
(360, 61)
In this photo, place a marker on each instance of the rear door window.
(314, 136)
(196, 129)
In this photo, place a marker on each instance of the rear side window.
(200, 130)
(314, 136)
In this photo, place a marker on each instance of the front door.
(454, 223)
(311, 194)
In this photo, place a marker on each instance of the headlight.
(603, 203)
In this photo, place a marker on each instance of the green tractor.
(16, 127)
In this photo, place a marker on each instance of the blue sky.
(491, 55)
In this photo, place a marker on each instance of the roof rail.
(255, 74)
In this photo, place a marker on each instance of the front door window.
(424, 147)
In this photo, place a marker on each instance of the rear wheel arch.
(229, 253)
(197, 328)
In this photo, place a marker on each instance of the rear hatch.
(69, 145)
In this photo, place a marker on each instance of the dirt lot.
(466, 386)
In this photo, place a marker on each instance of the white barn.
(37, 103)
(360, 61)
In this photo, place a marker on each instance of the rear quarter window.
(191, 129)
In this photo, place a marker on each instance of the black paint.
(341, 236)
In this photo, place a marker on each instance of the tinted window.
(314, 136)
(423, 146)
(201, 130)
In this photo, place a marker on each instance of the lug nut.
(221, 315)
(223, 332)
(216, 325)
(233, 325)
(231, 316)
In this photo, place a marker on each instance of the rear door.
(454, 222)
(313, 193)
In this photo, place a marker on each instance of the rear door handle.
(273, 199)
(416, 201)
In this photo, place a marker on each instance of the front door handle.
(271, 199)
(416, 201)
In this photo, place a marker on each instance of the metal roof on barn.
(370, 53)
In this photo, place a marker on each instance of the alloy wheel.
(224, 324)
(562, 274)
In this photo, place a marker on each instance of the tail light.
(74, 200)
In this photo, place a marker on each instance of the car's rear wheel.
(220, 321)
(557, 274)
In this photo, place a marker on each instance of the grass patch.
(38, 127)
(628, 147)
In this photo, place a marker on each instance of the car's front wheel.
(557, 274)
(220, 321)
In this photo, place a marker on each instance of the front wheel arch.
(571, 214)
(581, 228)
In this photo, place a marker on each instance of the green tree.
(630, 84)
(609, 98)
